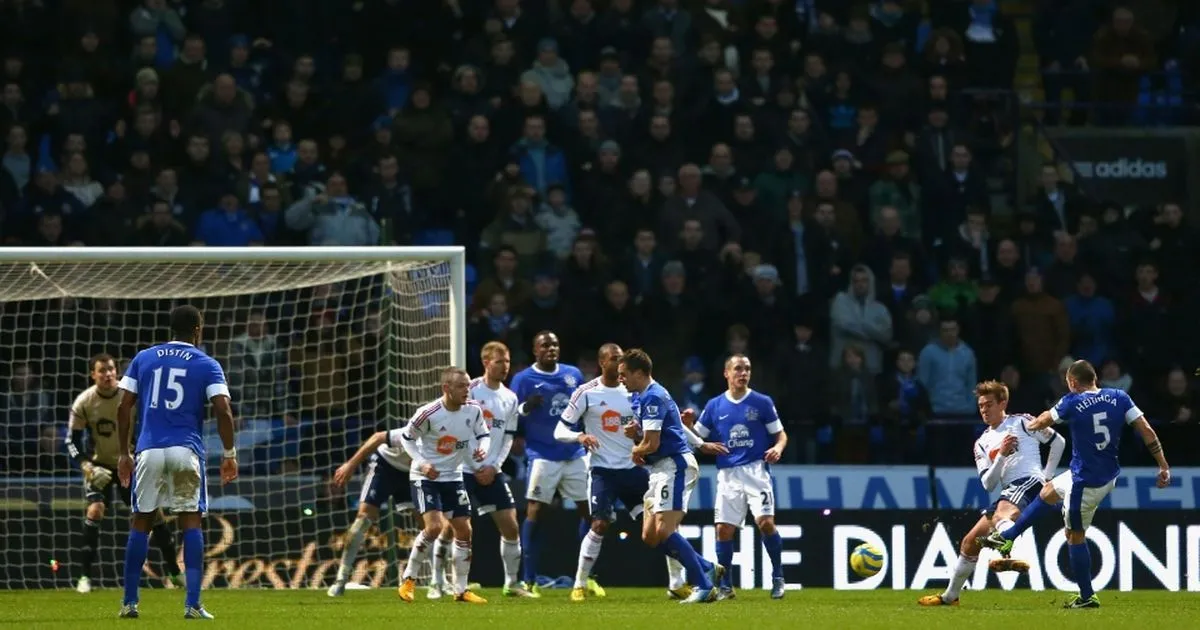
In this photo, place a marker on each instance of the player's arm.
(1057, 443)
(345, 472)
(504, 430)
(76, 425)
(774, 427)
(1043, 421)
(990, 472)
(483, 438)
(653, 414)
(217, 391)
(1150, 437)
(407, 438)
(529, 404)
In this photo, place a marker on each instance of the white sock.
(510, 556)
(589, 550)
(440, 564)
(962, 570)
(1002, 525)
(417, 556)
(462, 565)
(354, 540)
(676, 576)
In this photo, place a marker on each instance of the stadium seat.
(472, 279)
(434, 238)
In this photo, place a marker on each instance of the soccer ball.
(866, 560)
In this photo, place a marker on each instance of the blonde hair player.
(1096, 418)
(487, 485)
(1008, 456)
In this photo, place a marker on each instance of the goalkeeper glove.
(98, 476)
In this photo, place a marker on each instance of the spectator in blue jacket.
(227, 225)
(542, 164)
(1093, 320)
(946, 368)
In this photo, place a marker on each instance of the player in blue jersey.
(1095, 417)
(544, 390)
(746, 422)
(666, 450)
(171, 385)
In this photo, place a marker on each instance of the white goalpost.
(321, 346)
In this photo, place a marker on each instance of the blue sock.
(774, 546)
(193, 564)
(529, 551)
(1081, 566)
(725, 559)
(1025, 520)
(136, 549)
(679, 548)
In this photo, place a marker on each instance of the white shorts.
(743, 487)
(672, 480)
(170, 478)
(1079, 503)
(569, 479)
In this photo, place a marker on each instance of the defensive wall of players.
(1146, 540)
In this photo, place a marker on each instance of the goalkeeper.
(95, 411)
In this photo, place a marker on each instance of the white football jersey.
(602, 411)
(395, 456)
(443, 438)
(499, 412)
(1026, 461)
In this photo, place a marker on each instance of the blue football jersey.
(1095, 420)
(555, 388)
(655, 410)
(173, 382)
(744, 426)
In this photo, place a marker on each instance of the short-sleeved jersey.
(655, 410)
(500, 414)
(744, 426)
(1095, 420)
(602, 411)
(98, 415)
(555, 388)
(443, 438)
(174, 382)
(1026, 461)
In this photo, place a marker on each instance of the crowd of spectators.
(815, 183)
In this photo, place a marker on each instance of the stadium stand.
(874, 199)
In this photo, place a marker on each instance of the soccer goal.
(321, 347)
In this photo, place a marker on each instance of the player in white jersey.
(386, 482)
(487, 485)
(596, 417)
(1008, 455)
(442, 438)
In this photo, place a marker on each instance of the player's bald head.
(451, 373)
(737, 359)
(608, 351)
(1082, 373)
(186, 321)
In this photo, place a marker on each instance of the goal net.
(321, 347)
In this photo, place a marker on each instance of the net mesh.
(318, 355)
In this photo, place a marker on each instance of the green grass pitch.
(623, 609)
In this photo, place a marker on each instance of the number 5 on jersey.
(175, 376)
(1098, 424)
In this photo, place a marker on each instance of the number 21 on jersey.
(174, 384)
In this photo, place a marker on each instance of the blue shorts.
(606, 486)
(1020, 492)
(492, 498)
(384, 483)
(447, 497)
